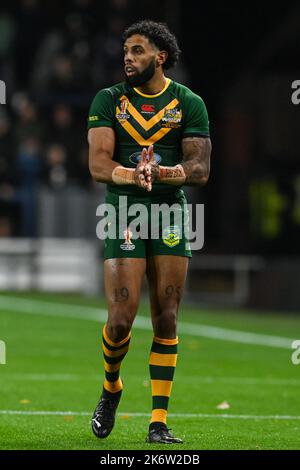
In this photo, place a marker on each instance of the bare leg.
(123, 279)
(166, 275)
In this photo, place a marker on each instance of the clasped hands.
(147, 169)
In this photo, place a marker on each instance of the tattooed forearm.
(194, 170)
(196, 160)
(172, 174)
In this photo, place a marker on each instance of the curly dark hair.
(159, 35)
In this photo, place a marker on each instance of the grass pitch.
(53, 377)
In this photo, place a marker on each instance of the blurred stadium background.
(54, 57)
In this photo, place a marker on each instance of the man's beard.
(141, 78)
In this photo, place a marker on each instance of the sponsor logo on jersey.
(148, 109)
(127, 245)
(171, 236)
(135, 158)
(171, 118)
(123, 115)
(93, 118)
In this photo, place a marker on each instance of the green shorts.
(144, 226)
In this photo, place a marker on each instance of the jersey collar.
(168, 81)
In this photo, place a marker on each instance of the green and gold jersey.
(140, 120)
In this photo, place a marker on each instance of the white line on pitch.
(40, 307)
(199, 379)
(146, 415)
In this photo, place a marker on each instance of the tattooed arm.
(194, 170)
(196, 160)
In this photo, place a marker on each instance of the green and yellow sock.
(162, 365)
(114, 354)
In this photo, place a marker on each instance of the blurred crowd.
(54, 57)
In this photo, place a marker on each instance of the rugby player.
(148, 136)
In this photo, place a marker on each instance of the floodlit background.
(237, 383)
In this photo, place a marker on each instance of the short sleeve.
(196, 121)
(101, 113)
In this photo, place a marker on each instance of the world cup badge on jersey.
(171, 236)
(123, 115)
(172, 118)
(127, 245)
